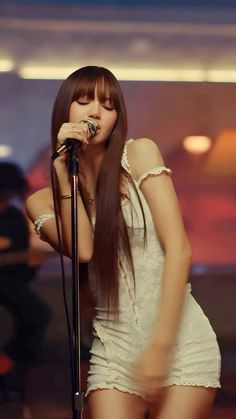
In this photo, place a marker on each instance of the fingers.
(150, 383)
(152, 390)
(151, 387)
(77, 130)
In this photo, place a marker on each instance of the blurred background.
(177, 65)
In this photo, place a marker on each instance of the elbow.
(82, 257)
(85, 255)
(85, 250)
(180, 250)
(186, 251)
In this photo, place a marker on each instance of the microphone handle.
(66, 146)
(71, 142)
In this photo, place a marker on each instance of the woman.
(154, 351)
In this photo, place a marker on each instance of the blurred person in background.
(18, 266)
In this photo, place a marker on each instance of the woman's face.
(104, 114)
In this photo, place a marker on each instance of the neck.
(91, 160)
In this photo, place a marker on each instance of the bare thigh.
(185, 402)
(115, 404)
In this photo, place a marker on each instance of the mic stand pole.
(77, 394)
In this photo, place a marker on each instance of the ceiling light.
(135, 74)
(158, 74)
(197, 144)
(54, 73)
(122, 73)
(6, 65)
(226, 76)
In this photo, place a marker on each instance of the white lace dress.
(116, 344)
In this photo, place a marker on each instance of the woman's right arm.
(41, 202)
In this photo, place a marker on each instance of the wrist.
(67, 195)
(161, 344)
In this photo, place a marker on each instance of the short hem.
(111, 387)
(193, 384)
(136, 393)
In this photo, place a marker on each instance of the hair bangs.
(85, 88)
(100, 80)
(107, 91)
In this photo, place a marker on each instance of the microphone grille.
(92, 126)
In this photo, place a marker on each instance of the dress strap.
(153, 172)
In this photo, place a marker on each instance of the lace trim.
(40, 221)
(124, 159)
(192, 383)
(103, 386)
(101, 334)
(153, 172)
(170, 383)
(130, 291)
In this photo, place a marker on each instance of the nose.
(95, 109)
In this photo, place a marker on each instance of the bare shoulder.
(39, 202)
(143, 154)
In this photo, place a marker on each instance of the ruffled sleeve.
(40, 221)
(153, 172)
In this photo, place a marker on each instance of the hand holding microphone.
(74, 133)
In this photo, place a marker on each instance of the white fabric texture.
(39, 222)
(196, 358)
(153, 172)
(116, 345)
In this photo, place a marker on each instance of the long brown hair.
(110, 229)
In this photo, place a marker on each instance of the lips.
(97, 130)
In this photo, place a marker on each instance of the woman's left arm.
(143, 155)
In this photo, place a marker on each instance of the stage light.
(197, 144)
(222, 158)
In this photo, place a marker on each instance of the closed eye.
(83, 102)
(107, 105)
(109, 108)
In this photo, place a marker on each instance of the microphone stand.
(77, 394)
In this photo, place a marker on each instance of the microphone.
(69, 142)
